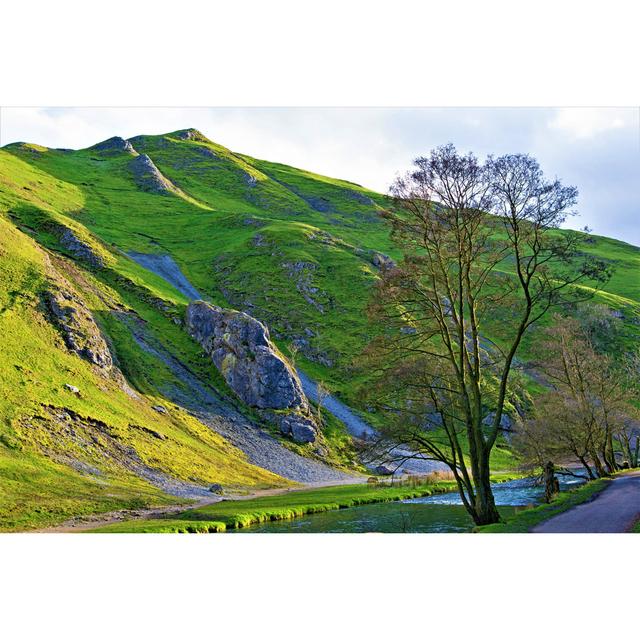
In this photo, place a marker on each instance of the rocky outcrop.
(148, 177)
(191, 134)
(241, 349)
(80, 249)
(250, 180)
(299, 428)
(113, 146)
(506, 423)
(361, 198)
(382, 261)
(206, 152)
(79, 330)
(302, 273)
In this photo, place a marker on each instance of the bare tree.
(294, 349)
(554, 434)
(481, 252)
(589, 407)
(322, 392)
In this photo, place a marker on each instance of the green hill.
(296, 250)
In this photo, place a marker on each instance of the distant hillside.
(294, 249)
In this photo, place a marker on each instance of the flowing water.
(441, 513)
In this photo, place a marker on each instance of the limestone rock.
(240, 347)
(115, 145)
(80, 249)
(384, 470)
(302, 273)
(148, 177)
(249, 179)
(300, 428)
(361, 198)
(382, 261)
(206, 152)
(191, 134)
(79, 330)
(506, 423)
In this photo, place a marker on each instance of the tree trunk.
(586, 465)
(625, 444)
(484, 508)
(608, 453)
(551, 484)
(597, 463)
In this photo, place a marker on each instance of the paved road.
(615, 510)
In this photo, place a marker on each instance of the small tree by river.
(588, 414)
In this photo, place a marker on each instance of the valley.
(111, 400)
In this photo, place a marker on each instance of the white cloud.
(586, 122)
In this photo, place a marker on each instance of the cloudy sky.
(595, 149)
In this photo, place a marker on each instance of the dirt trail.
(614, 510)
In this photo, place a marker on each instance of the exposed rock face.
(361, 198)
(318, 203)
(384, 470)
(382, 261)
(302, 272)
(206, 152)
(506, 423)
(115, 145)
(78, 328)
(148, 177)
(80, 249)
(300, 428)
(249, 179)
(240, 347)
(190, 134)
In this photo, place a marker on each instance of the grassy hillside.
(65, 452)
(294, 249)
(290, 247)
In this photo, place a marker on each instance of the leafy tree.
(479, 244)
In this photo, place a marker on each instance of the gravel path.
(615, 510)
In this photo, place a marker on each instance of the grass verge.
(523, 521)
(236, 514)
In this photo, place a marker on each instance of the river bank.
(237, 514)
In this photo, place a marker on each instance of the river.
(441, 513)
